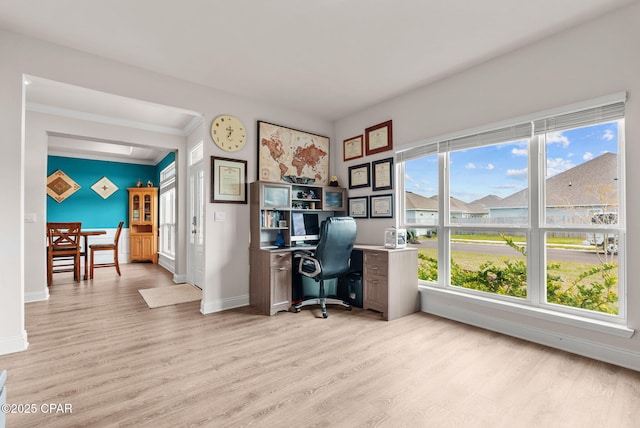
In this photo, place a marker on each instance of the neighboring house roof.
(590, 183)
(419, 202)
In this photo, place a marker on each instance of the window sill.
(539, 313)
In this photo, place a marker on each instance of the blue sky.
(502, 169)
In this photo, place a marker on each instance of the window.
(168, 211)
(530, 213)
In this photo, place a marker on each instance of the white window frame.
(535, 303)
(168, 228)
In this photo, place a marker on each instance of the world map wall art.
(288, 152)
(60, 186)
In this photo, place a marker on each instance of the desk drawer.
(376, 292)
(375, 263)
(282, 259)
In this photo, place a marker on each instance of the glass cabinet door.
(276, 196)
(136, 208)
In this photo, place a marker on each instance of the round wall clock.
(228, 133)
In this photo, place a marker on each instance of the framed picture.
(378, 138)
(353, 148)
(382, 171)
(359, 176)
(285, 152)
(228, 180)
(381, 206)
(333, 198)
(358, 207)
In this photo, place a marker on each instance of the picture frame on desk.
(358, 207)
(228, 180)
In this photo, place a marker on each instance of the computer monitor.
(304, 227)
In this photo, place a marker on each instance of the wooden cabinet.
(390, 280)
(270, 280)
(143, 224)
(273, 203)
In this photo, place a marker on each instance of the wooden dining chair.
(63, 249)
(106, 247)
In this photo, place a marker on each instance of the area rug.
(170, 295)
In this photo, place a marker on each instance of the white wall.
(227, 277)
(592, 60)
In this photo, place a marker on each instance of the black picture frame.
(358, 207)
(382, 171)
(381, 206)
(360, 176)
(228, 180)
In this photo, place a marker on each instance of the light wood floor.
(96, 346)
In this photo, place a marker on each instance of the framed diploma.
(381, 206)
(353, 148)
(228, 180)
(359, 207)
(382, 174)
(378, 138)
(359, 176)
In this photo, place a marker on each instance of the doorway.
(195, 250)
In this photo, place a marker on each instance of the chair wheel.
(325, 315)
(349, 308)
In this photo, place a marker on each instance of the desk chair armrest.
(306, 262)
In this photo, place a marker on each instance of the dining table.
(85, 234)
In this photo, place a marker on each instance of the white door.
(195, 259)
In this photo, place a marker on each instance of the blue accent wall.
(87, 206)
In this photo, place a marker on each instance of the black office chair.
(331, 259)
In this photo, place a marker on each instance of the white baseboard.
(36, 296)
(587, 348)
(210, 307)
(10, 345)
(179, 279)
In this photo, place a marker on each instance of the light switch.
(30, 217)
(220, 216)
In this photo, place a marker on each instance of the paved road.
(555, 254)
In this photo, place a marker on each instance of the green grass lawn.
(568, 271)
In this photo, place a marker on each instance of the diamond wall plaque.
(104, 187)
(60, 186)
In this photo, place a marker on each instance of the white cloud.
(490, 166)
(518, 174)
(587, 156)
(519, 152)
(470, 165)
(558, 165)
(408, 178)
(558, 137)
(608, 135)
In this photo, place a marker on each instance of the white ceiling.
(329, 58)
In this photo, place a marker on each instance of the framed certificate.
(382, 174)
(359, 207)
(228, 180)
(378, 138)
(359, 176)
(381, 206)
(353, 148)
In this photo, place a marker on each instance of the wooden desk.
(85, 234)
(390, 279)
